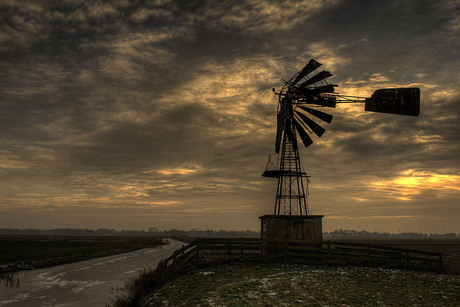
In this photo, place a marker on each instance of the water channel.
(86, 283)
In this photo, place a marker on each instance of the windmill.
(302, 100)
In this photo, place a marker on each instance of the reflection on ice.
(17, 298)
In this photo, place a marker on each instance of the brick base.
(308, 227)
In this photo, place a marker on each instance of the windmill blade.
(402, 101)
(317, 129)
(316, 78)
(289, 132)
(279, 132)
(325, 101)
(288, 128)
(328, 88)
(321, 115)
(280, 124)
(306, 140)
(311, 66)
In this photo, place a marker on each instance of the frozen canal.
(85, 283)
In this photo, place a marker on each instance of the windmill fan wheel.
(299, 102)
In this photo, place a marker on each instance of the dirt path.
(86, 283)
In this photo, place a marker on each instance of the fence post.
(197, 252)
(242, 248)
(262, 247)
(402, 259)
(368, 253)
(285, 249)
(441, 265)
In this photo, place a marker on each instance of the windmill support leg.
(290, 194)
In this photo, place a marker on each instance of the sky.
(136, 114)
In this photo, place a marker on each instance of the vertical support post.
(368, 253)
(262, 246)
(197, 253)
(285, 249)
(242, 247)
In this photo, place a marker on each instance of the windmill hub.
(300, 105)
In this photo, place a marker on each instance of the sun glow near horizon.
(410, 183)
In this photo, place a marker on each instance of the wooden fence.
(205, 250)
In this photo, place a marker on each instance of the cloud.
(259, 16)
(163, 110)
(180, 170)
(143, 14)
(21, 23)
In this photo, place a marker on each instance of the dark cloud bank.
(131, 114)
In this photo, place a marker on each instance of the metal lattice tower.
(290, 194)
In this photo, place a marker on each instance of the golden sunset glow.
(411, 182)
(180, 170)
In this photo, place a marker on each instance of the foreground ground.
(244, 284)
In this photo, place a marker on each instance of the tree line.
(153, 231)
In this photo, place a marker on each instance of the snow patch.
(205, 273)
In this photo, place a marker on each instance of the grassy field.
(37, 251)
(249, 284)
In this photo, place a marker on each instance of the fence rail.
(328, 250)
